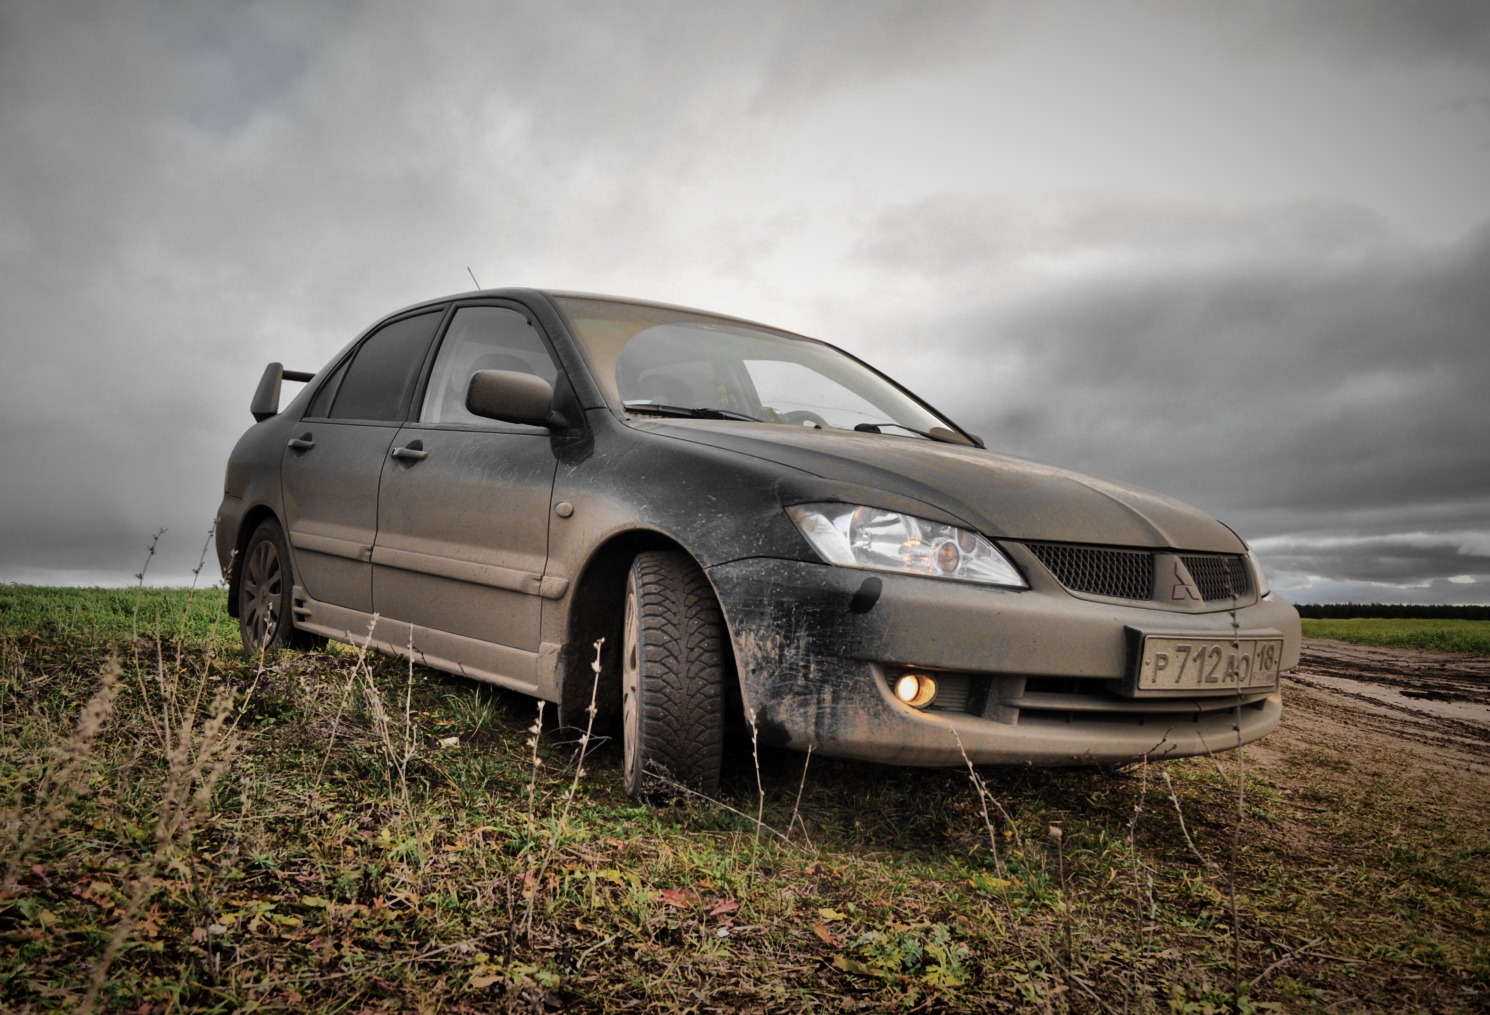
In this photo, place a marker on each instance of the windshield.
(661, 361)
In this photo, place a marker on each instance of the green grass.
(1444, 635)
(98, 614)
(226, 833)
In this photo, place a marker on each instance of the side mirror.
(513, 398)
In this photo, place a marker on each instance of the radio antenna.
(473, 276)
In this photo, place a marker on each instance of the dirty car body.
(757, 524)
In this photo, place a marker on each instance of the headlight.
(857, 536)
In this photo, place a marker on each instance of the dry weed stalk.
(1236, 856)
(1179, 813)
(172, 687)
(662, 780)
(20, 832)
(398, 755)
(1058, 836)
(562, 824)
(535, 733)
(760, 789)
(162, 732)
(7, 669)
(1143, 877)
(985, 797)
(796, 818)
(200, 757)
(1229, 876)
(358, 665)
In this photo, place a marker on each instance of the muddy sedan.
(760, 527)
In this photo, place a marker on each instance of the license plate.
(1208, 665)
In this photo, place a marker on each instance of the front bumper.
(1031, 677)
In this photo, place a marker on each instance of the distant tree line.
(1345, 611)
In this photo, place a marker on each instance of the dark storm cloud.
(189, 191)
(1303, 370)
(1356, 31)
(1415, 567)
(1387, 559)
(818, 51)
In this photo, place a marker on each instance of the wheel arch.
(595, 611)
(252, 519)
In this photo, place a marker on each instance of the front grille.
(1129, 574)
(1122, 574)
(1220, 577)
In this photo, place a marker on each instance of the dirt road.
(1433, 705)
(1413, 710)
(1379, 777)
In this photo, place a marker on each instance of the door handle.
(302, 443)
(411, 452)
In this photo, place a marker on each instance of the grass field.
(184, 828)
(1444, 635)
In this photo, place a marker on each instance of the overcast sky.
(1237, 253)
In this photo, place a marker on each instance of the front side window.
(381, 378)
(481, 338)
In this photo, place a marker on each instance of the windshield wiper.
(940, 434)
(686, 412)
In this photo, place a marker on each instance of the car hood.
(1000, 495)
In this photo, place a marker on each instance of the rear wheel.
(264, 591)
(672, 677)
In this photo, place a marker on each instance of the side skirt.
(533, 673)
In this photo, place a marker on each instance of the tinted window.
(385, 369)
(321, 404)
(481, 338)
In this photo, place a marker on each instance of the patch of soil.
(1434, 706)
(1381, 767)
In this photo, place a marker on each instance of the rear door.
(333, 464)
(463, 509)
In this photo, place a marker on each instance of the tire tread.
(683, 650)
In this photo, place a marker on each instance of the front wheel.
(673, 668)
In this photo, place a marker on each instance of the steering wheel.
(803, 416)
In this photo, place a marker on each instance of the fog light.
(915, 689)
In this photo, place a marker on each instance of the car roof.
(510, 292)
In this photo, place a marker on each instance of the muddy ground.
(1432, 706)
(1380, 775)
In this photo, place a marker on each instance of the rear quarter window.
(381, 377)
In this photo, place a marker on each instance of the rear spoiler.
(266, 396)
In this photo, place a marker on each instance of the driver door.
(463, 511)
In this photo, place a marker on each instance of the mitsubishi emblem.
(1184, 586)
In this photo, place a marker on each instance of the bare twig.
(562, 824)
(760, 789)
(346, 696)
(1175, 799)
(199, 759)
(797, 805)
(983, 797)
(57, 789)
(1286, 958)
(662, 779)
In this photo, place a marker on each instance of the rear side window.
(382, 374)
(320, 406)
